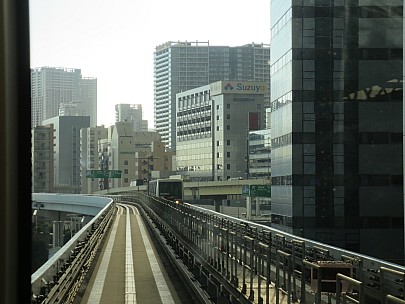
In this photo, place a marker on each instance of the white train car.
(168, 188)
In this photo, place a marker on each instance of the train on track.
(168, 188)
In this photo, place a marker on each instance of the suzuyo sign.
(239, 87)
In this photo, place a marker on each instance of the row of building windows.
(196, 110)
(191, 121)
(194, 145)
(201, 156)
(281, 141)
(281, 22)
(281, 101)
(318, 180)
(281, 62)
(194, 131)
(202, 167)
(195, 168)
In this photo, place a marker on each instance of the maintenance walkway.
(128, 269)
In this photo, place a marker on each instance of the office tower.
(336, 121)
(181, 66)
(42, 159)
(131, 113)
(213, 122)
(88, 103)
(67, 151)
(62, 91)
(90, 151)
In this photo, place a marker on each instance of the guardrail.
(236, 261)
(63, 272)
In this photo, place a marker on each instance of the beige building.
(136, 155)
(42, 159)
(91, 153)
(122, 154)
(154, 162)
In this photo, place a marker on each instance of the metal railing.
(60, 278)
(237, 261)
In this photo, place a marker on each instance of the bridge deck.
(128, 269)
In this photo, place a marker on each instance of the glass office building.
(336, 121)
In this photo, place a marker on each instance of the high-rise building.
(131, 113)
(67, 151)
(88, 99)
(62, 91)
(336, 123)
(213, 124)
(42, 159)
(182, 66)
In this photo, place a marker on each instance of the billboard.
(239, 87)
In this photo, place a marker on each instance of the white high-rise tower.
(62, 92)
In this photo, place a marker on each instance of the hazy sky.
(114, 41)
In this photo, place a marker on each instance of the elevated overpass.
(228, 197)
(229, 260)
(219, 189)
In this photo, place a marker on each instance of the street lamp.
(36, 220)
(247, 153)
(38, 206)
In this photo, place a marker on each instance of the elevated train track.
(128, 270)
(222, 259)
(236, 261)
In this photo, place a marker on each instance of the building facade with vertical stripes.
(336, 122)
(213, 124)
(182, 66)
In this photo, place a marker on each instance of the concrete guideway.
(164, 292)
(128, 270)
(222, 259)
(235, 261)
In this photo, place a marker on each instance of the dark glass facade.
(336, 78)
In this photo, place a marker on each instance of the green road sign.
(103, 173)
(96, 174)
(115, 174)
(257, 190)
(260, 190)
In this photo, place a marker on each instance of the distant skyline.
(114, 41)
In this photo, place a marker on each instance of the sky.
(114, 41)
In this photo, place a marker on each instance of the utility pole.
(104, 166)
(247, 153)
